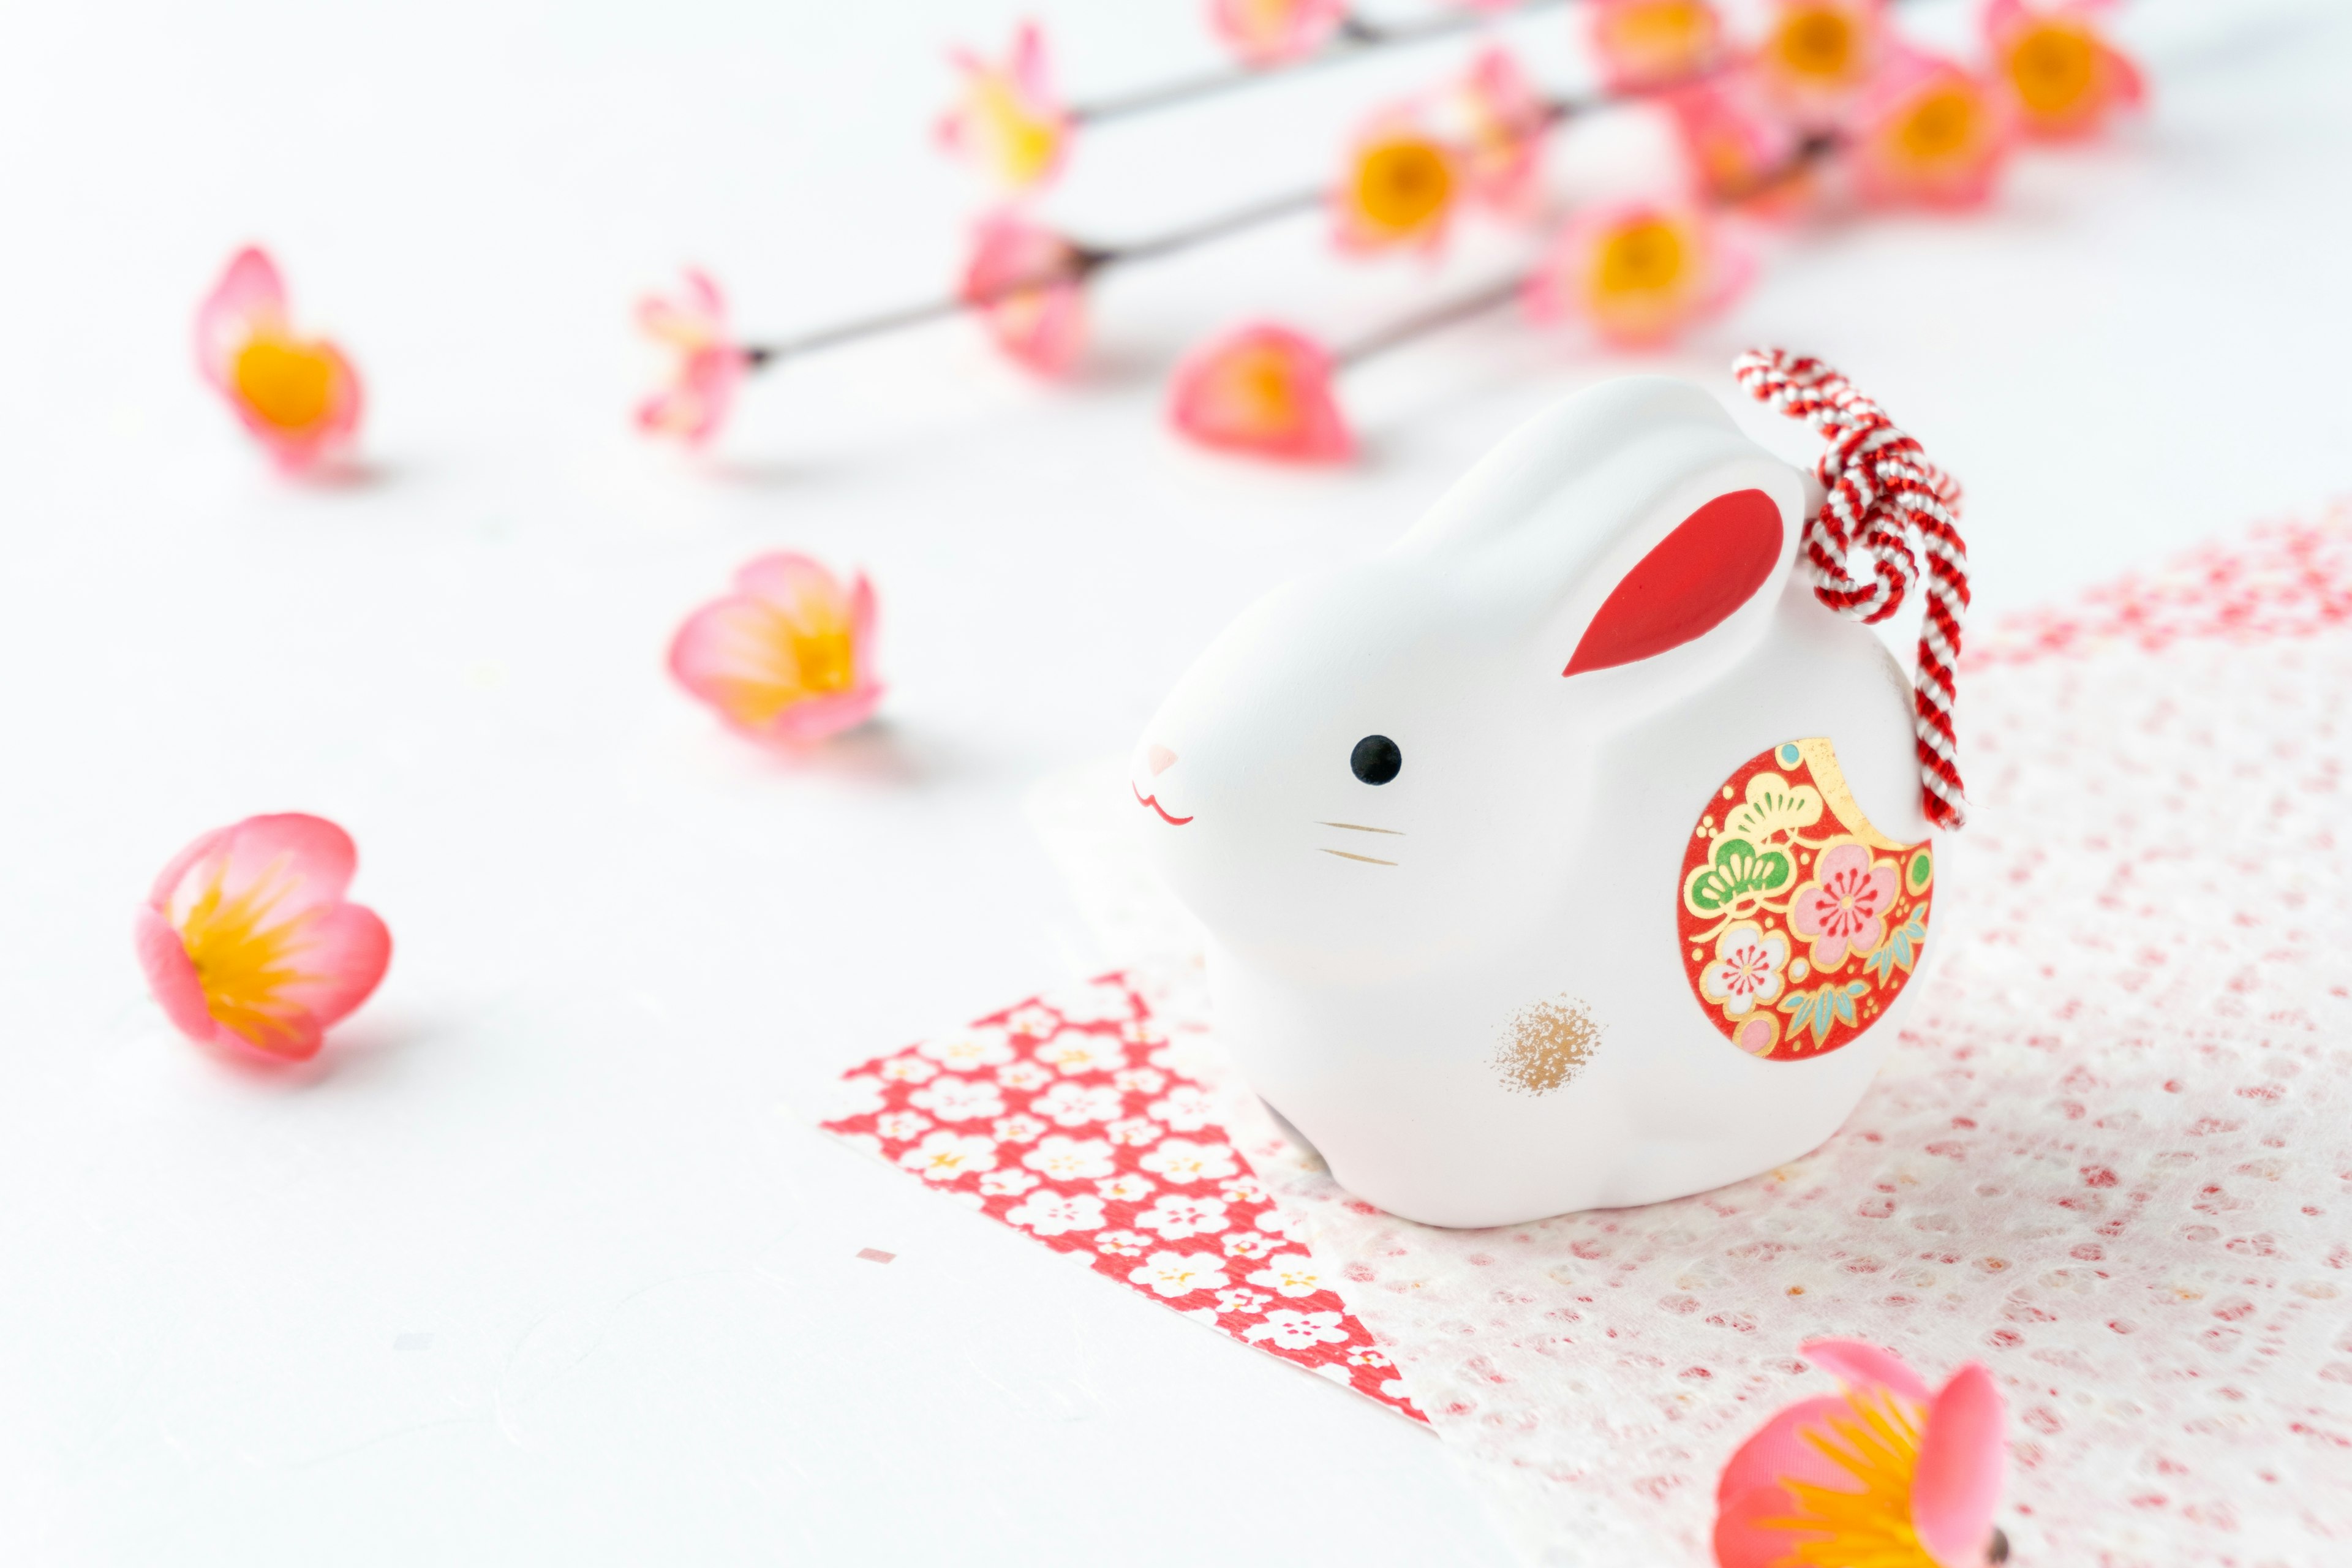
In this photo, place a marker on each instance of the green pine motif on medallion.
(1740, 872)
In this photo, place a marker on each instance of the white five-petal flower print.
(953, 1098)
(859, 1094)
(1018, 1129)
(1175, 1273)
(980, 1046)
(1140, 1081)
(1134, 1131)
(1050, 1213)
(943, 1155)
(1076, 1104)
(1185, 1108)
(1024, 1076)
(1175, 1217)
(1747, 968)
(1290, 1273)
(1242, 1190)
(1124, 1242)
(900, 1125)
(1180, 1162)
(1074, 1051)
(1297, 1331)
(1247, 1244)
(1004, 1183)
(1070, 1158)
(1127, 1187)
(1037, 1023)
(907, 1069)
(1241, 1300)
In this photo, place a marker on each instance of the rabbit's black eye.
(1376, 759)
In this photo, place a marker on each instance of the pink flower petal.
(709, 370)
(1264, 390)
(1860, 1365)
(1498, 122)
(172, 976)
(313, 857)
(1778, 1452)
(250, 295)
(1962, 1455)
(696, 319)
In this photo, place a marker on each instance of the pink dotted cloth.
(2111, 1158)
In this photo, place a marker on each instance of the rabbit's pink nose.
(1159, 759)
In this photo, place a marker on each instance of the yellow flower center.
(1876, 1442)
(1021, 143)
(2053, 67)
(1260, 387)
(796, 654)
(1402, 186)
(1939, 126)
(286, 385)
(1817, 43)
(242, 960)
(1648, 256)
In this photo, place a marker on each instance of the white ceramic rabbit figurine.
(1531, 851)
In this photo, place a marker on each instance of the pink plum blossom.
(1262, 390)
(1637, 272)
(1270, 32)
(708, 367)
(1843, 909)
(2064, 80)
(1884, 1472)
(1739, 149)
(1173, 1274)
(1642, 44)
(1008, 123)
(1816, 54)
(299, 397)
(1400, 188)
(1497, 122)
(1929, 133)
(1028, 286)
(249, 943)
(788, 658)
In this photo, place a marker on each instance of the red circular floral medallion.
(1800, 920)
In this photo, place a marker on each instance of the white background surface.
(539, 1262)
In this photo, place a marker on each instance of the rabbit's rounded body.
(1462, 978)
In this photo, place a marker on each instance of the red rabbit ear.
(1689, 584)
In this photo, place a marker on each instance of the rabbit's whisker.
(1367, 859)
(1359, 827)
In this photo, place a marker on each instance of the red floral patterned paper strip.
(1064, 1117)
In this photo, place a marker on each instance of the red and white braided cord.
(1883, 494)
